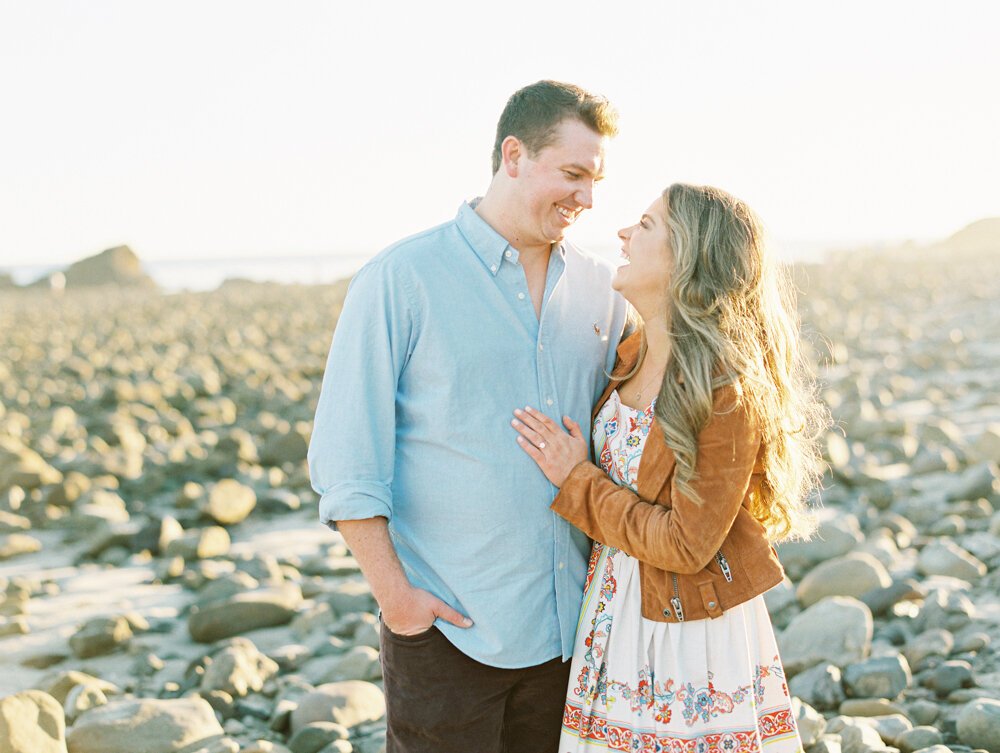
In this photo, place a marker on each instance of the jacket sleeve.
(684, 537)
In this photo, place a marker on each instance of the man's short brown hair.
(533, 113)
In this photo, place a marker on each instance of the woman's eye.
(573, 176)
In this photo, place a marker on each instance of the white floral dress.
(700, 686)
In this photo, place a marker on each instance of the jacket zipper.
(727, 571)
(675, 602)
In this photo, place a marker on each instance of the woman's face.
(644, 278)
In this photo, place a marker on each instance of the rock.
(230, 502)
(923, 712)
(944, 557)
(986, 447)
(868, 708)
(277, 501)
(810, 722)
(820, 686)
(238, 669)
(978, 725)
(59, 687)
(936, 642)
(117, 266)
(854, 574)
(201, 543)
(836, 535)
(918, 738)
(350, 596)
(32, 722)
(879, 677)
(949, 676)
(145, 726)
(21, 466)
(13, 523)
(265, 607)
(359, 663)
(860, 738)
(315, 736)
(101, 635)
(891, 726)
(83, 698)
(881, 600)
(837, 630)
(348, 703)
(289, 447)
(15, 544)
(980, 480)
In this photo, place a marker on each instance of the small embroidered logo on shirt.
(597, 330)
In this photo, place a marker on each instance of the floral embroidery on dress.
(622, 698)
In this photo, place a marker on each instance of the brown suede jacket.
(694, 561)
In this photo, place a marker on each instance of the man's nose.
(585, 196)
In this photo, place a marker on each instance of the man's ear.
(511, 151)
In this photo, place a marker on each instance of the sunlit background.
(198, 131)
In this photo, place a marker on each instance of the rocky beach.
(166, 587)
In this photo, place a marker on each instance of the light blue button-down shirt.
(437, 343)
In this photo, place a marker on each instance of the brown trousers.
(438, 700)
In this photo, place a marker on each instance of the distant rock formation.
(982, 236)
(116, 266)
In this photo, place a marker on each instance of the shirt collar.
(488, 244)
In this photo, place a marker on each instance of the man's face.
(556, 184)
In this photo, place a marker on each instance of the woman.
(706, 448)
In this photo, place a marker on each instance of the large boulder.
(145, 725)
(347, 703)
(979, 725)
(837, 630)
(854, 574)
(238, 669)
(32, 722)
(114, 266)
(264, 607)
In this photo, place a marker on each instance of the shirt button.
(493, 268)
(548, 401)
(562, 565)
(520, 296)
(507, 254)
(541, 347)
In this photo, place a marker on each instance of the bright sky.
(243, 128)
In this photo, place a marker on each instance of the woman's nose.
(624, 233)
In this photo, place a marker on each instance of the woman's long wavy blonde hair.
(732, 321)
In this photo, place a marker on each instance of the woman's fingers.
(533, 452)
(574, 427)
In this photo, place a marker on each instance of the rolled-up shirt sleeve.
(352, 449)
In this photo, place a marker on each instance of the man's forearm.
(371, 546)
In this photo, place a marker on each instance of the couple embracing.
(568, 529)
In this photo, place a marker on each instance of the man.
(441, 337)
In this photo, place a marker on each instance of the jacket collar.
(657, 461)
